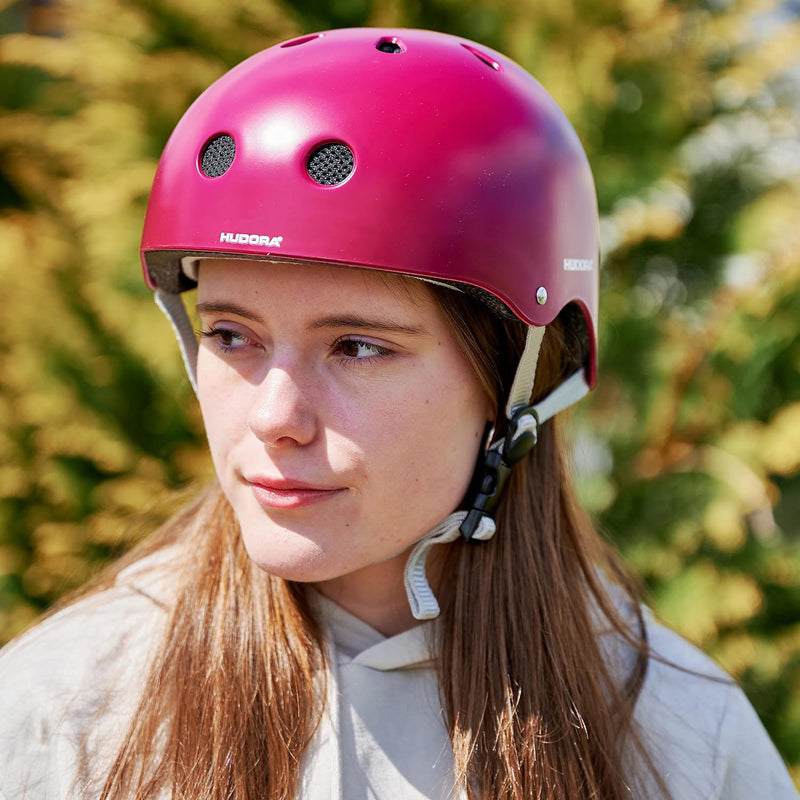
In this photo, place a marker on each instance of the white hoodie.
(69, 686)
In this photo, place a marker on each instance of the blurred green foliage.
(688, 452)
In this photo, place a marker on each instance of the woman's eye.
(358, 349)
(226, 339)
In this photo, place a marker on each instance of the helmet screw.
(541, 295)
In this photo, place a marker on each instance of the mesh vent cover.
(218, 156)
(331, 164)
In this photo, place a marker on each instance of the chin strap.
(175, 311)
(420, 595)
(521, 434)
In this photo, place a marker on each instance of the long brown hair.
(533, 711)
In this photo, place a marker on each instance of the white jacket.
(69, 686)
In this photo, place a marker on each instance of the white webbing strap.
(420, 595)
(563, 396)
(521, 388)
(175, 312)
(573, 389)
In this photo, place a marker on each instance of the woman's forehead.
(245, 275)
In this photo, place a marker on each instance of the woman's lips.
(288, 494)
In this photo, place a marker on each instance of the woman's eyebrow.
(332, 321)
(357, 321)
(228, 308)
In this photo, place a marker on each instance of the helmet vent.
(331, 164)
(302, 40)
(390, 44)
(487, 59)
(218, 155)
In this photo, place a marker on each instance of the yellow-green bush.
(688, 451)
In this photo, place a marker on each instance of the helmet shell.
(464, 170)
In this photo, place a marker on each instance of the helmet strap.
(175, 311)
(494, 466)
(525, 376)
(421, 598)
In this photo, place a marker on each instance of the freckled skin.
(386, 416)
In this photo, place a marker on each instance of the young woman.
(390, 592)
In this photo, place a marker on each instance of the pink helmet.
(400, 150)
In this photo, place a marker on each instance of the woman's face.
(344, 421)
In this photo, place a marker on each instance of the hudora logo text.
(251, 238)
(578, 264)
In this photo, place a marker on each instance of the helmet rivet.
(541, 295)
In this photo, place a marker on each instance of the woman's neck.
(375, 594)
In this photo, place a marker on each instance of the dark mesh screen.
(218, 156)
(330, 164)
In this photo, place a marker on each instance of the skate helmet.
(405, 151)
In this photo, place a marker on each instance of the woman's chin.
(301, 567)
(300, 560)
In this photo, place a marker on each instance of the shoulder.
(92, 631)
(72, 681)
(704, 736)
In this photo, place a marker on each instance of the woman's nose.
(281, 413)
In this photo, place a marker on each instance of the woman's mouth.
(289, 494)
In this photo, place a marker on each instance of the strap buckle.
(495, 465)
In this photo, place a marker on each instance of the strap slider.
(522, 434)
(493, 474)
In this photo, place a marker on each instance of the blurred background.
(687, 454)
